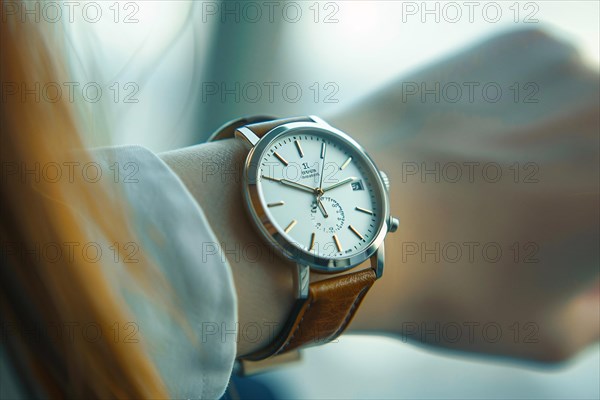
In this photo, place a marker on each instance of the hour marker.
(337, 243)
(345, 164)
(299, 148)
(323, 145)
(277, 203)
(290, 226)
(364, 210)
(312, 242)
(283, 160)
(353, 229)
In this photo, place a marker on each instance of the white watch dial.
(320, 193)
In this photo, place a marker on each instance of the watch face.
(320, 196)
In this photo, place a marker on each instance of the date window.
(357, 185)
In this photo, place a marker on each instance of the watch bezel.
(258, 214)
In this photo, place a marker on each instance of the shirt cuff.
(174, 233)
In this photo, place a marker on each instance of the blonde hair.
(35, 291)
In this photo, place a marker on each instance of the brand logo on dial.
(334, 221)
(309, 171)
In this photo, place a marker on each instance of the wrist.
(212, 173)
(323, 307)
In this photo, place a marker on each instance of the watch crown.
(385, 179)
(394, 223)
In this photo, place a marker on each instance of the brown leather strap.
(331, 303)
(322, 317)
(261, 128)
(259, 124)
(227, 130)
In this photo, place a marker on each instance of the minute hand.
(289, 183)
(297, 185)
(340, 183)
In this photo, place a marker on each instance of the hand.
(293, 184)
(340, 183)
(321, 207)
(305, 188)
(542, 292)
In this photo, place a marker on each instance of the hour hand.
(340, 183)
(293, 184)
(321, 207)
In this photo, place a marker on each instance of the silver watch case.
(270, 233)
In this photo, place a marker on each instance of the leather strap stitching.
(289, 340)
(350, 314)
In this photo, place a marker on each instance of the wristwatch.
(314, 195)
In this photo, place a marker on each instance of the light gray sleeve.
(192, 344)
(174, 232)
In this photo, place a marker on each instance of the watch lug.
(319, 121)
(385, 179)
(377, 261)
(247, 135)
(301, 281)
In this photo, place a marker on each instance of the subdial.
(335, 215)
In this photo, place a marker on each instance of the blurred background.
(177, 70)
(195, 65)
